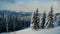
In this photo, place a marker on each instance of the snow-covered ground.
(41, 31)
(55, 30)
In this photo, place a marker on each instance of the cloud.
(32, 5)
(44, 6)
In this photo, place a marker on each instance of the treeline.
(13, 21)
(44, 21)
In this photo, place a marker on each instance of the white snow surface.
(40, 31)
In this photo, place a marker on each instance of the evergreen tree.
(35, 20)
(49, 23)
(43, 20)
(7, 21)
(55, 17)
(1, 22)
(15, 25)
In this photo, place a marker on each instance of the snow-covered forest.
(35, 23)
(44, 21)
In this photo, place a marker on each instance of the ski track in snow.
(40, 31)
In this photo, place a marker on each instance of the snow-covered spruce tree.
(43, 17)
(7, 21)
(49, 22)
(35, 20)
(1, 22)
(15, 25)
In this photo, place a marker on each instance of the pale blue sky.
(29, 5)
(4, 2)
(37, 0)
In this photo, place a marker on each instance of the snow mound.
(41, 31)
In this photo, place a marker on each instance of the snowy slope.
(41, 31)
